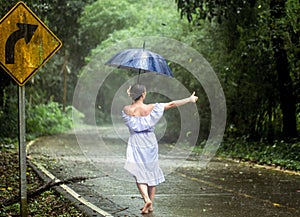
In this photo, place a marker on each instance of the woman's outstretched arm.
(181, 102)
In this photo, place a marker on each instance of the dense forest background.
(253, 46)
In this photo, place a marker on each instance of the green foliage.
(45, 86)
(132, 19)
(103, 18)
(48, 119)
(237, 42)
(55, 79)
(220, 11)
(59, 76)
(9, 112)
(62, 18)
(41, 119)
(279, 153)
(105, 27)
(241, 36)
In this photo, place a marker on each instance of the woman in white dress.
(142, 149)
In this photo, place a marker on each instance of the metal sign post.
(26, 44)
(22, 151)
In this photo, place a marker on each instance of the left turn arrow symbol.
(25, 31)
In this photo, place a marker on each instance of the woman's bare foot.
(150, 209)
(147, 207)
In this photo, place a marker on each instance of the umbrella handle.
(138, 80)
(144, 45)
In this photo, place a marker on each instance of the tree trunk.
(285, 85)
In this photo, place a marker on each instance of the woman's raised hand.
(193, 97)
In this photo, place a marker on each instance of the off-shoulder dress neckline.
(140, 116)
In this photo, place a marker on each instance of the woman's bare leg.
(151, 193)
(143, 188)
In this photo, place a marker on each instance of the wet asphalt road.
(222, 189)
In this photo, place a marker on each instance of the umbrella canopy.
(141, 60)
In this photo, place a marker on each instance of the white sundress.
(142, 147)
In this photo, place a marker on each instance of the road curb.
(263, 166)
(80, 202)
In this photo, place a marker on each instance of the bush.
(279, 153)
(47, 119)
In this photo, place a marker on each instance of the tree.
(50, 83)
(136, 19)
(245, 27)
(282, 66)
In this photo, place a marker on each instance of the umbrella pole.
(144, 45)
(138, 80)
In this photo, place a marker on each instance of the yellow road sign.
(26, 43)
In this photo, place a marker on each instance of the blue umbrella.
(141, 60)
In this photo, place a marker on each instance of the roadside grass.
(41, 120)
(49, 203)
(279, 154)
